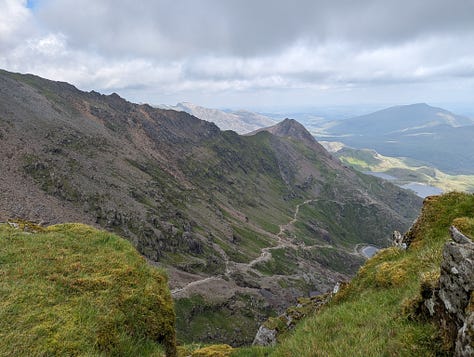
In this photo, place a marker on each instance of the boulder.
(265, 337)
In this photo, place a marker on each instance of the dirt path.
(194, 283)
(284, 227)
(265, 253)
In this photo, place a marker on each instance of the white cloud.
(15, 23)
(211, 47)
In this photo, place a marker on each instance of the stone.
(458, 237)
(265, 337)
(456, 293)
(397, 240)
(465, 339)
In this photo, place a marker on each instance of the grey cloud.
(171, 28)
(180, 47)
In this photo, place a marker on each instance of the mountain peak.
(290, 128)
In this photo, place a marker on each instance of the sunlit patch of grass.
(73, 290)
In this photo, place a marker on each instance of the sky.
(267, 55)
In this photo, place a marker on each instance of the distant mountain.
(240, 121)
(419, 131)
(404, 119)
(243, 224)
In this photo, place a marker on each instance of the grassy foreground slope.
(372, 316)
(73, 290)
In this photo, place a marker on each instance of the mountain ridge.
(201, 202)
(240, 121)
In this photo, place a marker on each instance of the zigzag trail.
(265, 253)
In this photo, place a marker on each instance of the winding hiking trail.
(194, 283)
(265, 253)
(284, 227)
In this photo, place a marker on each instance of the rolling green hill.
(404, 171)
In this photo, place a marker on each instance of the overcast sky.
(256, 54)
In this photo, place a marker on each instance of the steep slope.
(80, 292)
(419, 131)
(240, 222)
(240, 121)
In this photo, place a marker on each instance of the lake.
(422, 190)
(369, 251)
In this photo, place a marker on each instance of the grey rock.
(265, 337)
(465, 339)
(455, 291)
(397, 240)
(458, 237)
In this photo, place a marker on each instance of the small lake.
(422, 190)
(369, 251)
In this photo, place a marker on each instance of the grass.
(369, 317)
(346, 223)
(203, 321)
(282, 262)
(73, 290)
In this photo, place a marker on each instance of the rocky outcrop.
(397, 240)
(265, 337)
(450, 302)
(268, 333)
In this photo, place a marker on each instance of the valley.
(243, 224)
(236, 179)
(405, 172)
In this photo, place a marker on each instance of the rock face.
(451, 304)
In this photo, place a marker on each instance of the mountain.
(421, 132)
(291, 129)
(240, 121)
(400, 119)
(243, 224)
